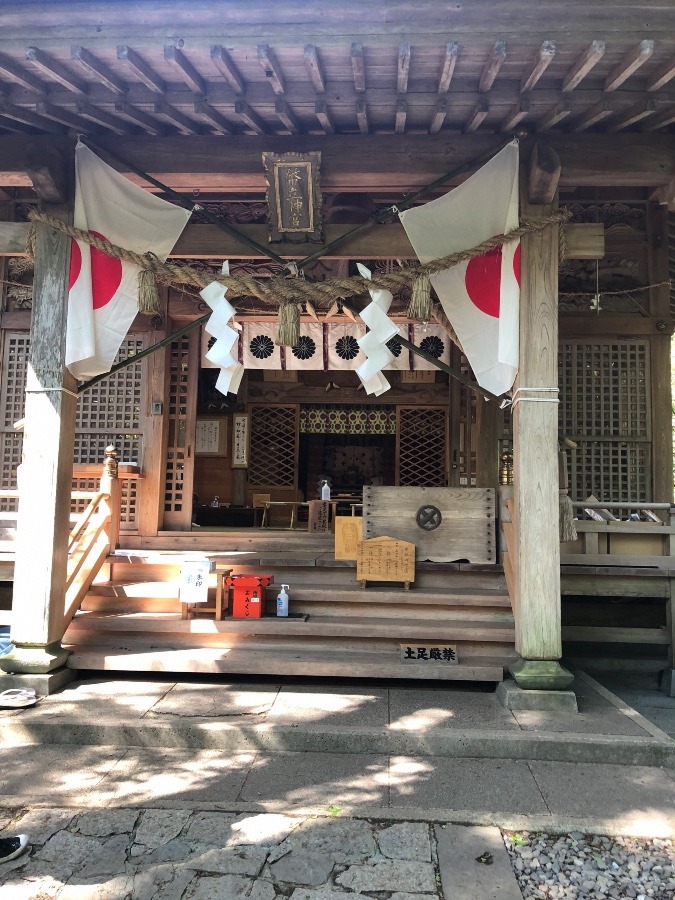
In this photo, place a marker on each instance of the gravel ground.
(585, 867)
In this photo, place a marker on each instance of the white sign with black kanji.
(429, 654)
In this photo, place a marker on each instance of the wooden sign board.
(280, 375)
(385, 559)
(240, 425)
(294, 196)
(318, 517)
(462, 526)
(429, 654)
(348, 536)
(418, 377)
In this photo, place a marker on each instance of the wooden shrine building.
(389, 97)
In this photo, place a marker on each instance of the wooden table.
(189, 609)
(294, 504)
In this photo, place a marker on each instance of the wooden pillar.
(660, 347)
(535, 452)
(488, 421)
(45, 479)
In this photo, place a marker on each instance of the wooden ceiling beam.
(271, 68)
(314, 70)
(211, 117)
(492, 66)
(439, 116)
(46, 168)
(516, 114)
(103, 73)
(176, 118)
(362, 116)
(63, 117)
(597, 112)
(379, 164)
(287, 116)
(358, 68)
(541, 61)
(635, 113)
(223, 62)
(543, 174)
(139, 117)
(186, 70)
(583, 65)
(141, 69)
(662, 75)
(401, 115)
(17, 127)
(17, 75)
(448, 70)
(629, 64)
(323, 115)
(662, 120)
(478, 113)
(55, 71)
(403, 68)
(555, 115)
(103, 118)
(250, 117)
(29, 117)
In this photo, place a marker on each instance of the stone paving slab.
(330, 705)
(463, 876)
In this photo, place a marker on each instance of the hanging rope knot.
(421, 304)
(288, 333)
(148, 295)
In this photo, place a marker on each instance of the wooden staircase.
(132, 622)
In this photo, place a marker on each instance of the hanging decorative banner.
(344, 351)
(374, 342)
(220, 354)
(259, 350)
(401, 354)
(434, 340)
(308, 352)
(293, 196)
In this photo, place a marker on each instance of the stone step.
(358, 628)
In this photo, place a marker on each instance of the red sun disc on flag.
(106, 272)
(483, 281)
(516, 264)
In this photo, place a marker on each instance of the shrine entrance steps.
(132, 621)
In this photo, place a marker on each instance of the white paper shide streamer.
(374, 342)
(231, 370)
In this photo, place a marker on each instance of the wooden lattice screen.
(605, 408)
(108, 413)
(422, 446)
(178, 469)
(274, 447)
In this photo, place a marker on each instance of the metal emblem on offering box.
(293, 196)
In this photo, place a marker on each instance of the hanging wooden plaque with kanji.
(293, 196)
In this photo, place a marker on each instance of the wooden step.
(248, 657)
(401, 630)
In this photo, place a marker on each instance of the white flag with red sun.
(103, 297)
(481, 296)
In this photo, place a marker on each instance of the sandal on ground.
(11, 847)
(17, 698)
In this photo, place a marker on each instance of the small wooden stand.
(385, 559)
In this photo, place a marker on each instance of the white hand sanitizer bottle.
(282, 601)
(325, 491)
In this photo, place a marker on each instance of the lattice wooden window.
(110, 412)
(274, 446)
(605, 408)
(178, 487)
(12, 407)
(422, 446)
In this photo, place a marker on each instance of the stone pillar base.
(32, 660)
(513, 697)
(540, 675)
(668, 682)
(43, 685)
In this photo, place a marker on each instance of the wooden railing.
(94, 533)
(615, 542)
